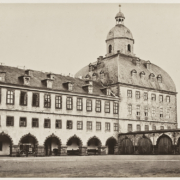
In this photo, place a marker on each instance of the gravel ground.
(91, 166)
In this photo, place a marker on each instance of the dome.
(120, 15)
(119, 31)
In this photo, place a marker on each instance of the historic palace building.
(50, 114)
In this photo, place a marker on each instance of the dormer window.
(2, 76)
(142, 74)
(148, 65)
(26, 80)
(90, 89)
(102, 74)
(94, 76)
(159, 78)
(106, 91)
(70, 86)
(51, 76)
(133, 72)
(48, 82)
(29, 72)
(151, 77)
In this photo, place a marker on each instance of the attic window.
(108, 92)
(70, 86)
(152, 76)
(94, 77)
(90, 89)
(129, 47)
(133, 72)
(159, 78)
(102, 75)
(26, 80)
(110, 48)
(2, 76)
(142, 74)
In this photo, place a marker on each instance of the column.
(83, 150)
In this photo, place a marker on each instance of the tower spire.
(119, 16)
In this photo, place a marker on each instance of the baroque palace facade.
(50, 114)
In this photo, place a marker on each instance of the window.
(98, 106)
(10, 121)
(146, 111)
(58, 124)
(35, 122)
(138, 110)
(89, 105)
(168, 99)
(90, 89)
(23, 98)
(116, 127)
(102, 75)
(107, 126)
(129, 47)
(137, 94)
(70, 86)
(35, 100)
(110, 48)
(58, 102)
(129, 127)
(22, 122)
(159, 78)
(79, 104)
(168, 113)
(115, 107)
(69, 103)
(98, 126)
(146, 127)
(108, 92)
(153, 111)
(47, 101)
(0, 145)
(129, 109)
(161, 127)
(107, 107)
(138, 127)
(153, 127)
(10, 97)
(47, 123)
(160, 98)
(89, 125)
(79, 125)
(161, 112)
(129, 93)
(169, 127)
(145, 96)
(153, 97)
(69, 125)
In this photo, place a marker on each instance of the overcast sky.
(63, 38)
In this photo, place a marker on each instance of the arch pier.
(150, 142)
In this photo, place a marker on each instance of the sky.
(63, 38)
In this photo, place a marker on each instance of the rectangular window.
(161, 112)
(153, 97)
(58, 102)
(138, 110)
(10, 97)
(107, 126)
(129, 127)
(89, 125)
(10, 121)
(98, 106)
(47, 123)
(23, 98)
(22, 122)
(79, 125)
(107, 107)
(168, 113)
(129, 109)
(138, 127)
(58, 124)
(79, 104)
(116, 127)
(160, 98)
(146, 128)
(98, 126)
(146, 111)
(137, 94)
(153, 112)
(89, 105)
(129, 93)
(35, 122)
(115, 107)
(167, 99)
(161, 127)
(69, 125)
(145, 96)
(47, 101)
(35, 100)
(69, 103)
(0, 145)
(153, 127)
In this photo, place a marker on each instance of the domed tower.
(119, 37)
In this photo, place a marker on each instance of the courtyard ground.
(91, 166)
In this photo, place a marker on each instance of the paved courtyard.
(91, 166)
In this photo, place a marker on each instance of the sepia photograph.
(89, 90)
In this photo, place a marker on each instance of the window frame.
(160, 98)
(98, 105)
(37, 103)
(153, 112)
(153, 97)
(138, 107)
(37, 122)
(89, 124)
(58, 101)
(87, 105)
(80, 126)
(161, 112)
(130, 126)
(129, 93)
(168, 97)
(49, 123)
(153, 127)
(146, 127)
(146, 111)
(12, 96)
(60, 122)
(25, 96)
(129, 109)
(138, 96)
(107, 126)
(138, 127)
(79, 107)
(116, 127)
(12, 124)
(107, 106)
(67, 126)
(47, 99)
(145, 96)
(20, 119)
(70, 103)
(115, 108)
(98, 124)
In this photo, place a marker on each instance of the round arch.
(28, 135)
(95, 137)
(52, 136)
(126, 146)
(7, 135)
(93, 145)
(111, 142)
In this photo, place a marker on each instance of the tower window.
(129, 47)
(110, 48)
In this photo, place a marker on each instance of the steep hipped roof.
(118, 69)
(13, 74)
